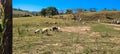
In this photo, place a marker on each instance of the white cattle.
(45, 30)
(37, 30)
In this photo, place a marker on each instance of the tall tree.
(92, 10)
(81, 10)
(43, 12)
(51, 11)
(114, 9)
(6, 37)
(69, 11)
(104, 9)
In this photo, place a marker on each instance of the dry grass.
(101, 39)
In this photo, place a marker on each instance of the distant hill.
(103, 15)
(23, 13)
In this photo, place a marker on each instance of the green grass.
(26, 41)
(106, 30)
(103, 28)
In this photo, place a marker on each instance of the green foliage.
(103, 28)
(105, 9)
(49, 11)
(2, 26)
(43, 12)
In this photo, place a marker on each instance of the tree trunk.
(7, 31)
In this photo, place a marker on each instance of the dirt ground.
(116, 28)
(81, 30)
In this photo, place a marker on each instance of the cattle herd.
(45, 30)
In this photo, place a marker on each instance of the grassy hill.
(17, 13)
(103, 15)
(23, 13)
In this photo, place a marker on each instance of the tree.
(43, 12)
(105, 9)
(6, 27)
(114, 9)
(80, 10)
(51, 11)
(92, 10)
(69, 11)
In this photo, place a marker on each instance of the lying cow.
(58, 29)
(45, 30)
(38, 30)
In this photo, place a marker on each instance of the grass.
(26, 41)
(105, 30)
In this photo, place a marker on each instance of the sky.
(37, 5)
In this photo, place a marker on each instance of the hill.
(104, 16)
(23, 13)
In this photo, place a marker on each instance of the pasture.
(76, 38)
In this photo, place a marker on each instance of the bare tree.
(92, 10)
(6, 38)
(114, 9)
(81, 10)
(61, 11)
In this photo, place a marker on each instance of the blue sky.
(37, 5)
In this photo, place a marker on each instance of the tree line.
(50, 11)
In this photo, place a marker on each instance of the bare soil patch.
(79, 29)
(95, 34)
(116, 28)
